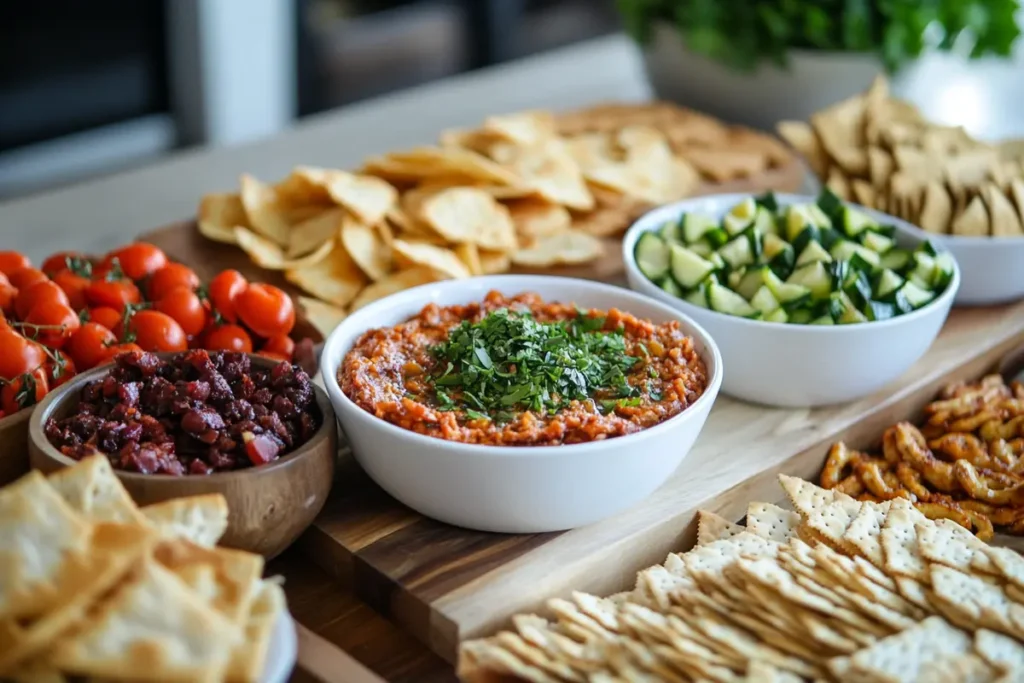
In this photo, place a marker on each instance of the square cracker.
(902, 657)
(772, 522)
(712, 527)
(43, 553)
(946, 542)
(92, 489)
(900, 542)
(153, 613)
(976, 603)
(201, 519)
(807, 497)
(999, 650)
(864, 535)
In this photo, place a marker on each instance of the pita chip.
(973, 222)
(1003, 216)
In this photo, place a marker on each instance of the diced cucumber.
(671, 232)
(738, 252)
(768, 201)
(777, 316)
(687, 267)
(829, 203)
(896, 259)
(756, 239)
(943, 275)
(764, 301)
(815, 277)
(823, 320)
(813, 252)
(801, 316)
(879, 310)
(702, 249)
(927, 247)
(790, 295)
(773, 244)
(695, 225)
(717, 260)
(724, 300)
(652, 256)
(698, 297)
(857, 287)
(820, 218)
(887, 283)
(877, 243)
(670, 286)
(844, 251)
(855, 222)
(828, 237)
(916, 296)
(764, 222)
(753, 279)
(857, 262)
(843, 311)
(924, 267)
(798, 218)
(734, 278)
(717, 237)
(806, 236)
(740, 216)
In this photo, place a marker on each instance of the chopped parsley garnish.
(510, 361)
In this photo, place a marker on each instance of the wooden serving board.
(444, 583)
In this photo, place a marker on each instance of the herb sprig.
(510, 361)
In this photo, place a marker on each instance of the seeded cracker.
(865, 532)
(712, 527)
(999, 650)
(901, 658)
(972, 601)
(946, 542)
(1009, 563)
(899, 541)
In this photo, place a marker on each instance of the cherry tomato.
(61, 260)
(51, 323)
(25, 277)
(24, 391)
(12, 261)
(170, 276)
(115, 350)
(138, 259)
(88, 346)
(8, 295)
(228, 338)
(156, 331)
(266, 310)
(112, 293)
(281, 345)
(37, 293)
(224, 290)
(59, 369)
(185, 307)
(106, 316)
(18, 355)
(74, 286)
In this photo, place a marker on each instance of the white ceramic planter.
(759, 98)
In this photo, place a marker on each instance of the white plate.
(283, 652)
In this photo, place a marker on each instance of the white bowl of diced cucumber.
(812, 301)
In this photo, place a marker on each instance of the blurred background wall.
(98, 86)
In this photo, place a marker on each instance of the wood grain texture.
(445, 584)
(268, 506)
(14, 446)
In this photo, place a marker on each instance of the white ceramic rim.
(283, 652)
(655, 219)
(967, 240)
(414, 293)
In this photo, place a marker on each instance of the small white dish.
(282, 653)
(788, 365)
(509, 489)
(991, 268)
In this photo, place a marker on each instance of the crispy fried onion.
(965, 463)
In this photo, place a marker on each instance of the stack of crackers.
(837, 590)
(881, 152)
(92, 586)
(530, 190)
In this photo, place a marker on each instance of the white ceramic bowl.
(800, 365)
(991, 268)
(508, 489)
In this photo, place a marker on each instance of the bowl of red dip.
(253, 429)
(520, 404)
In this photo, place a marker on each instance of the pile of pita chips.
(92, 586)
(880, 152)
(527, 191)
(833, 590)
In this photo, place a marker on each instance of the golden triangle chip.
(201, 519)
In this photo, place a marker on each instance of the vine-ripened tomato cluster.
(76, 312)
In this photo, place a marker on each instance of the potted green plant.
(761, 61)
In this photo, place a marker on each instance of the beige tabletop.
(98, 214)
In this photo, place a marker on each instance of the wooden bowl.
(268, 506)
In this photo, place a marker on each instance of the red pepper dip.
(196, 412)
(522, 372)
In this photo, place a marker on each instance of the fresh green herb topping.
(509, 361)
